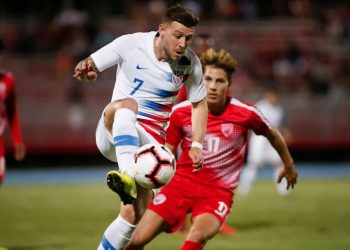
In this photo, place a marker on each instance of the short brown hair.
(180, 14)
(219, 59)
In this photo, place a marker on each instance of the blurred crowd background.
(302, 47)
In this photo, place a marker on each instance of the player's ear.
(161, 29)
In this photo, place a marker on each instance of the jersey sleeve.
(114, 52)
(258, 122)
(194, 84)
(174, 132)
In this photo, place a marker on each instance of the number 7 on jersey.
(139, 83)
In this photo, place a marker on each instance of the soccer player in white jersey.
(152, 67)
(208, 193)
(260, 152)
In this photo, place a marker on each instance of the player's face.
(175, 38)
(217, 85)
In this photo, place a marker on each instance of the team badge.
(159, 199)
(179, 70)
(227, 129)
(176, 80)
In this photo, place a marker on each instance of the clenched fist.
(86, 70)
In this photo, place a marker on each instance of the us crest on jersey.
(227, 129)
(177, 79)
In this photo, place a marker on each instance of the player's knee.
(128, 103)
(111, 109)
(199, 236)
(138, 241)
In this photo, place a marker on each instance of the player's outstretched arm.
(86, 70)
(288, 171)
(199, 124)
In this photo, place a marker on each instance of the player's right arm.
(105, 57)
(197, 96)
(86, 70)
(199, 124)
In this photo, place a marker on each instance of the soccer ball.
(155, 165)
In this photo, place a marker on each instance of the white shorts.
(105, 143)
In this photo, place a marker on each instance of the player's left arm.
(199, 124)
(288, 171)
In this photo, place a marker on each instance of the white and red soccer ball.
(155, 165)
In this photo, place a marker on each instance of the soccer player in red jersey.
(208, 193)
(9, 112)
(201, 43)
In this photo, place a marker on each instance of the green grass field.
(74, 217)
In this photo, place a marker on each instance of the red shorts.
(182, 196)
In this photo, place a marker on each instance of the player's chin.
(212, 100)
(177, 56)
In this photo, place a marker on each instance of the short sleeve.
(194, 84)
(114, 52)
(258, 122)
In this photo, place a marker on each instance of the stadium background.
(302, 46)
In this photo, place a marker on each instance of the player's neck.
(217, 108)
(159, 53)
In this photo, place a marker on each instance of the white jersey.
(152, 83)
(260, 151)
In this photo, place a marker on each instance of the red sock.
(190, 245)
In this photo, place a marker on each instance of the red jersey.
(8, 109)
(224, 144)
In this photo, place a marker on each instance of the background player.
(9, 112)
(260, 152)
(152, 67)
(208, 193)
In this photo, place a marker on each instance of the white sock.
(126, 139)
(118, 235)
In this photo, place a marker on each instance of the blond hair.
(219, 59)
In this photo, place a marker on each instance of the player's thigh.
(172, 203)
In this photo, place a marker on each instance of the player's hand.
(196, 156)
(85, 70)
(20, 152)
(291, 175)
